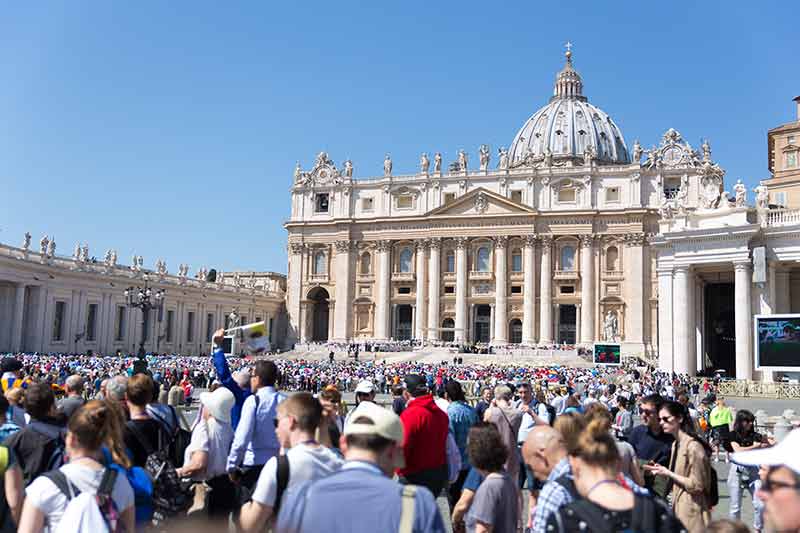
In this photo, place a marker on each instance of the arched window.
(320, 263)
(482, 259)
(516, 260)
(366, 263)
(405, 260)
(450, 262)
(567, 258)
(612, 258)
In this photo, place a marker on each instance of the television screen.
(607, 354)
(777, 342)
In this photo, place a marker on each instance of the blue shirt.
(462, 417)
(224, 375)
(358, 498)
(255, 442)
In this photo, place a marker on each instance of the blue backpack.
(141, 484)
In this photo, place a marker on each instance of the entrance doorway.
(320, 314)
(403, 326)
(448, 333)
(515, 331)
(483, 318)
(719, 328)
(567, 316)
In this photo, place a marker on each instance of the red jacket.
(425, 428)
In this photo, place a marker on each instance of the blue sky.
(171, 129)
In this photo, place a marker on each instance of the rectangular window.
(209, 327)
(146, 324)
(567, 289)
(451, 263)
(91, 323)
(367, 204)
(405, 201)
(403, 290)
(612, 194)
(516, 196)
(779, 198)
(671, 186)
(119, 325)
(58, 321)
(321, 202)
(791, 159)
(449, 197)
(449, 289)
(790, 139)
(170, 325)
(516, 263)
(244, 320)
(566, 195)
(516, 289)
(190, 326)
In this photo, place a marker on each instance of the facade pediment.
(481, 202)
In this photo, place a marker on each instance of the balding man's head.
(543, 449)
(74, 385)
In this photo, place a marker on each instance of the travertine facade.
(552, 245)
(783, 145)
(51, 303)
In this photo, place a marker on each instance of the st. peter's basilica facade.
(550, 242)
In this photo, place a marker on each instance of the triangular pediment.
(481, 202)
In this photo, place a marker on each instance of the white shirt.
(45, 496)
(215, 441)
(306, 463)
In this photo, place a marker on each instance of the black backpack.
(551, 412)
(649, 515)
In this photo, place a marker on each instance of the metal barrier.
(759, 389)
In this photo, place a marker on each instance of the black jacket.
(36, 446)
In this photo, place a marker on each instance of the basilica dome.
(566, 127)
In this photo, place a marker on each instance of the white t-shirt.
(216, 441)
(306, 463)
(45, 496)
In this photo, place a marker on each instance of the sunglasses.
(647, 411)
(667, 419)
(770, 485)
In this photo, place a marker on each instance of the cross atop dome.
(568, 53)
(568, 82)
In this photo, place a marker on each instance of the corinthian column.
(342, 327)
(500, 293)
(435, 246)
(529, 291)
(383, 289)
(587, 289)
(546, 293)
(742, 314)
(461, 289)
(419, 322)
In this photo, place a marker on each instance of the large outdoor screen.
(607, 354)
(777, 342)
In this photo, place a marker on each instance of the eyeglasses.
(667, 419)
(647, 411)
(770, 485)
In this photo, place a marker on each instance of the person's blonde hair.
(570, 425)
(596, 446)
(98, 423)
(503, 392)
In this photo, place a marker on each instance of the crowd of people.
(97, 444)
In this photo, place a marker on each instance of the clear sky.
(171, 129)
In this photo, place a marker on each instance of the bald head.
(543, 449)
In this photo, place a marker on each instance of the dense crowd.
(97, 444)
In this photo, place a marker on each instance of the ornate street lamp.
(146, 299)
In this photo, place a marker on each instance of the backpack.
(649, 515)
(169, 498)
(170, 422)
(712, 491)
(142, 486)
(282, 481)
(85, 512)
(551, 413)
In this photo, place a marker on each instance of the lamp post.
(144, 298)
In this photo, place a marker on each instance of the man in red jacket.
(425, 428)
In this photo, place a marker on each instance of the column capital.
(343, 246)
(634, 239)
(461, 242)
(530, 240)
(296, 247)
(742, 264)
(435, 243)
(547, 242)
(383, 245)
(586, 240)
(501, 241)
(421, 244)
(681, 269)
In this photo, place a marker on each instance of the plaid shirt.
(553, 495)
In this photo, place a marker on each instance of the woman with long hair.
(93, 426)
(743, 438)
(606, 503)
(690, 467)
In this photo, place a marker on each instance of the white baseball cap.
(784, 453)
(219, 403)
(365, 386)
(385, 424)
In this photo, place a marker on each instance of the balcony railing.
(477, 274)
(403, 276)
(783, 217)
(566, 274)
